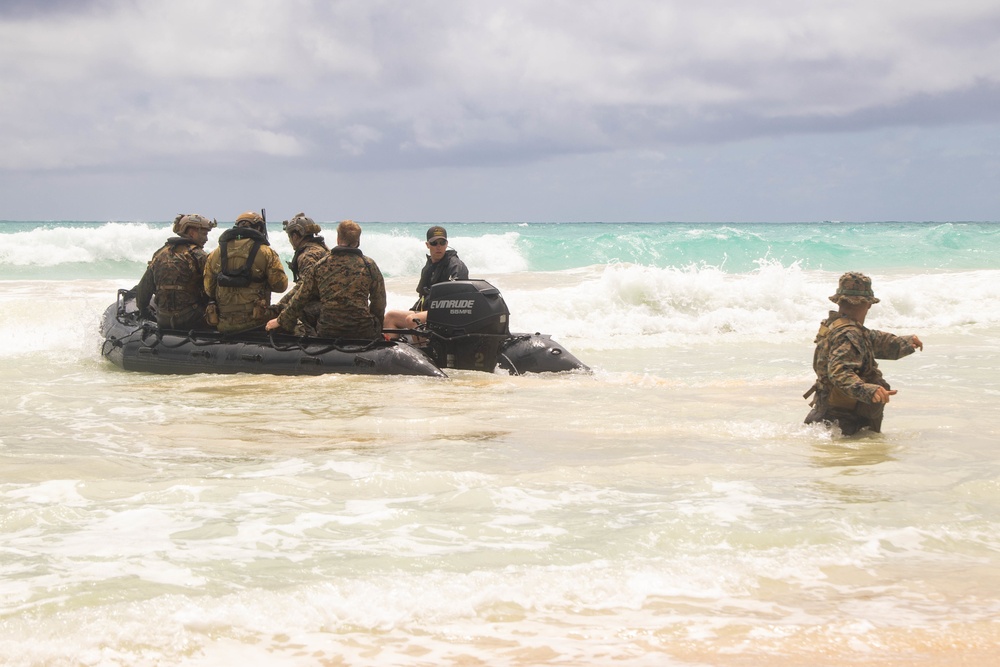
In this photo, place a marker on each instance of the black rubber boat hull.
(466, 330)
(536, 353)
(134, 345)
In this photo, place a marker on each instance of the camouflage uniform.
(350, 290)
(242, 308)
(174, 276)
(311, 251)
(847, 375)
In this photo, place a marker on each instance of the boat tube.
(467, 329)
(135, 344)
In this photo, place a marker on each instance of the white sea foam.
(596, 308)
(397, 252)
(638, 306)
(52, 246)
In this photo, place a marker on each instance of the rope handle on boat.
(121, 315)
(151, 336)
(111, 342)
(422, 332)
(300, 345)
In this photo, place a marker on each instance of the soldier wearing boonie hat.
(850, 391)
(854, 288)
(174, 275)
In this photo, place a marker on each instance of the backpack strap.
(244, 276)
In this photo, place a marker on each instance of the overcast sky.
(519, 110)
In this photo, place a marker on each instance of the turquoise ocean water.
(668, 508)
(96, 249)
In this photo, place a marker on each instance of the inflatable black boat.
(466, 328)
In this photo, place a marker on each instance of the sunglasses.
(438, 242)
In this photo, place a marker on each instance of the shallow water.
(667, 509)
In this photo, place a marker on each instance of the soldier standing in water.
(850, 391)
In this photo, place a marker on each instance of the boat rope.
(423, 331)
(513, 366)
(337, 345)
(151, 336)
(111, 342)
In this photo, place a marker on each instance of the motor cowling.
(469, 321)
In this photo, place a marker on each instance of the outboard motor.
(468, 321)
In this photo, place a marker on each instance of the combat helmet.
(252, 220)
(854, 288)
(183, 221)
(301, 224)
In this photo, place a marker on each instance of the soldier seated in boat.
(443, 263)
(348, 286)
(241, 274)
(850, 391)
(174, 275)
(309, 247)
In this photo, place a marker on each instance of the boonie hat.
(437, 232)
(854, 288)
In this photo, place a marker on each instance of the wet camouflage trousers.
(847, 373)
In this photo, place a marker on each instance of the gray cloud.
(21, 9)
(206, 86)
